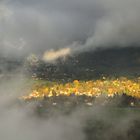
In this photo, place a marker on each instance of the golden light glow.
(110, 87)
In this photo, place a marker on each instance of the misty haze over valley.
(69, 69)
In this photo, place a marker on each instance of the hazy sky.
(39, 25)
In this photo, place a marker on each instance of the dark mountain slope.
(112, 62)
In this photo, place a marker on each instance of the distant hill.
(111, 62)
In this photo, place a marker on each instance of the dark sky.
(28, 26)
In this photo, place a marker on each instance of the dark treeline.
(111, 62)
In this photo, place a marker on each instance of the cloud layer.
(36, 26)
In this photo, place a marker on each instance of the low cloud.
(53, 55)
(39, 26)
